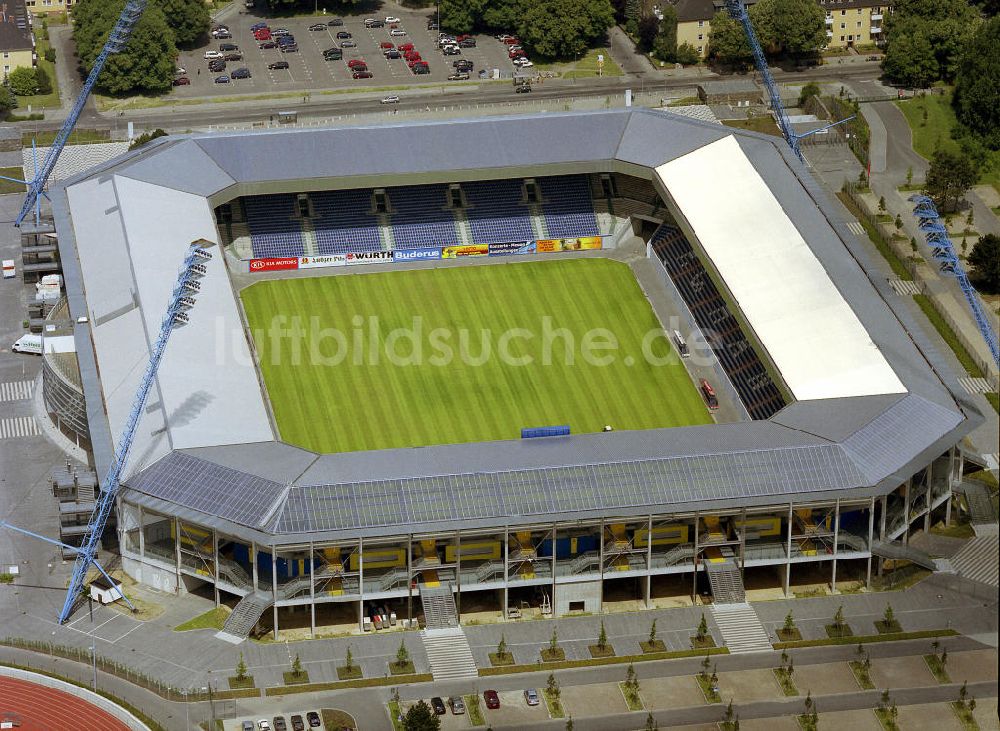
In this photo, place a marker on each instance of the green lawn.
(42, 101)
(936, 131)
(332, 396)
(582, 68)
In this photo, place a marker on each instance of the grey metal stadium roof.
(206, 451)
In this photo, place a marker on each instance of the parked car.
(531, 697)
(348, 44)
(511, 41)
(364, 75)
(405, 47)
(523, 63)
(262, 35)
(222, 79)
(281, 32)
(335, 22)
(279, 724)
(457, 705)
(386, 44)
(234, 56)
(463, 64)
(228, 47)
(182, 81)
(297, 723)
(247, 726)
(180, 70)
(292, 48)
(356, 62)
(333, 54)
(390, 100)
(219, 34)
(217, 65)
(286, 41)
(522, 89)
(317, 27)
(392, 19)
(374, 23)
(263, 725)
(492, 699)
(421, 67)
(278, 65)
(313, 718)
(393, 53)
(209, 55)
(459, 77)
(397, 32)
(432, 25)
(467, 43)
(438, 706)
(343, 34)
(241, 73)
(451, 51)
(268, 44)
(257, 26)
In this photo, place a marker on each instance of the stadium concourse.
(831, 434)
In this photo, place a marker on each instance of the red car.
(406, 47)
(512, 41)
(517, 54)
(459, 39)
(263, 34)
(356, 62)
(492, 699)
(182, 81)
(386, 45)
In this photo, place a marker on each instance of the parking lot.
(309, 71)
(237, 724)
(512, 713)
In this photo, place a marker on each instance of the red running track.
(39, 708)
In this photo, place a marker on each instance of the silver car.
(531, 697)
(457, 705)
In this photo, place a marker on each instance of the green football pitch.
(491, 349)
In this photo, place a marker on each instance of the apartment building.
(45, 7)
(17, 44)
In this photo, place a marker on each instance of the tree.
(552, 686)
(564, 28)
(971, 705)
(808, 91)
(569, 724)
(649, 29)
(651, 724)
(909, 175)
(963, 692)
(602, 638)
(241, 669)
(687, 55)
(420, 717)
(888, 617)
(502, 647)
(22, 81)
(881, 204)
(794, 27)
(297, 666)
(189, 19)
(985, 261)
(554, 640)
(402, 654)
(727, 42)
(349, 659)
(702, 628)
(147, 137)
(909, 60)
(977, 93)
(949, 176)
(652, 632)
(838, 617)
(665, 43)
(43, 84)
(458, 16)
(898, 223)
(7, 101)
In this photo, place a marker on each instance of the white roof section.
(811, 333)
(132, 237)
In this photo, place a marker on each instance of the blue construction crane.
(937, 238)
(737, 11)
(117, 39)
(181, 300)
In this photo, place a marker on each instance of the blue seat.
(420, 216)
(496, 211)
(568, 206)
(274, 231)
(344, 222)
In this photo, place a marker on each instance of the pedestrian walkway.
(16, 390)
(856, 228)
(449, 654)
(19, 426)
(974, 385)
(978, 561)
(741, 628)
(904, 287)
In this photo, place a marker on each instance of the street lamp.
(187, 711)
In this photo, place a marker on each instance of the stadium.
(304, 458)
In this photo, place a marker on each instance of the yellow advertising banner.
(546, 246)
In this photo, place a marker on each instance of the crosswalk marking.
(16, 390)
(974, 385)
(856, 228)
(904, 287)
(19, 426)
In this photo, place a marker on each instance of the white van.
(682, 346)
(28, 344)
(9, 272)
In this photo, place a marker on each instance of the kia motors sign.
(274, 264)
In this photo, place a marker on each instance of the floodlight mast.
(181, 299)
(115, 43)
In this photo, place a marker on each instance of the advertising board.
(370, 257)
(545, 246)
(316, 262)
(274, 264)
(512, 247)
(454, 252)
(425, 254)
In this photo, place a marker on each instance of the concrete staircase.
(898, 551)
(439, 607)
(981, 513)
(726, 582)
(449, 654)
(978, 560)
(245, 615)
(741, 628)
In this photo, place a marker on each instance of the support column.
(600, 559)
(649, 563)
(312, 590)
(554, 613)
(906, 510)
(458, 574)
(409, 578)
(883, 521)
(836, 540)
(215, 563)
(142, 534)
(788, 550)
(361, 583)
(177, 553)
(506, 573)
(253, 566)
(274, 589)
(694, 581)
(871, 537)
(743, 541)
